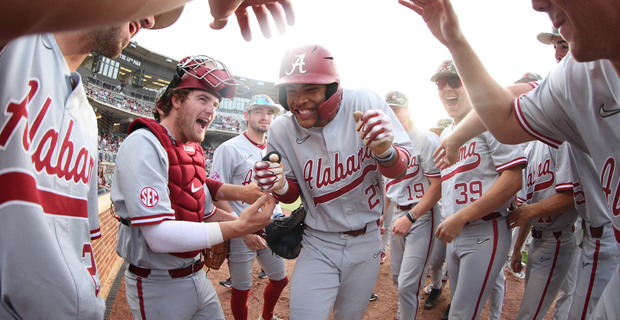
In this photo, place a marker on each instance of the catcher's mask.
(315, 65)
(206, 74)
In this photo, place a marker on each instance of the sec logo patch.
(149, 197)
(215, 176)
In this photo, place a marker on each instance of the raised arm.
(492, 102)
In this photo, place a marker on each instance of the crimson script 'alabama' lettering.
(78, 168)
(465, 152)
(326, 175)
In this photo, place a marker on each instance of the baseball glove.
(284, 234)
(216, 255)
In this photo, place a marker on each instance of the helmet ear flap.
(282, 97)
(330, 90)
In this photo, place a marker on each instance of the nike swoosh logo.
(248, 156)
(300, 141)
(585, 264)
(483, 241)
(606, 113)
(377, 254)
(196, 189)
(543, 259)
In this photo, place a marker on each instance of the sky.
(377, 44)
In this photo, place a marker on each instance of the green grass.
(524, 257)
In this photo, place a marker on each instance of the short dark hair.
(166, 102)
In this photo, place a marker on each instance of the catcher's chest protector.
(186, 175)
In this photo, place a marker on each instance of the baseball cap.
(545, 37)
(397, 99)
(529, 77)
(445, 69)
(166, 19)
(443, 123)
(262, 100)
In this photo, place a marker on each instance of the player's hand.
(254, 242)
(447, 153)
(440, 19)
(402, 226)
(519, 216)
(250, 193)
(280, 10)
(449, 229)
(375, 130)
(269, 175)
(252, 219)
(515, 262)
(380, 224)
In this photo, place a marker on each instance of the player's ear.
(246, 116)
(176, 101)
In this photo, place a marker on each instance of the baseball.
(274, 158)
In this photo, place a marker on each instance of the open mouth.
(202, 123)
(452, 101)
(134, 27)
(305, 113)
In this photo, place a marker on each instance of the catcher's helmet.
(311, 64)
(206, 74)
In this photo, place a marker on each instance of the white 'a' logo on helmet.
(298, 63)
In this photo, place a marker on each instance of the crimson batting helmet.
(311, 64)
(206, 74)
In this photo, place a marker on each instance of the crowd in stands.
(133, 105)
(229, 123)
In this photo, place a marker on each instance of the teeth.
(305, 112)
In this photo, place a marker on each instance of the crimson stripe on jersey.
(486, 277)
(516, 105)
(19, 186)
(154, 219)
(564, 186)
(141, 297)
(433, 175)
(555, 260)
(463, 168)
(407, 176)
(510, 164)
(592, 276)
(335, 194)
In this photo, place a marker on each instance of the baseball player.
(577, 102)
(417, 214)
(476, 193)
(545, 206)
(233, 161)
(18, 18)
(559, 44)
(336, 163)
(160, 194)
(48, 151)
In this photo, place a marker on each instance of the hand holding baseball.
(375, 130)
(269, 173)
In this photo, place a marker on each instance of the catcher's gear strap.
(396, 169)
(181, 236)
(291, 195)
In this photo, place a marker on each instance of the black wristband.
(410, 217)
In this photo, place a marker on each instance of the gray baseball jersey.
(548, 172)
(140, 194)
(233, 162)
(341, 190)
(598, 260)
(578, 102)
(477, 255)
(551, 253)
(410, 254)
(48, 150)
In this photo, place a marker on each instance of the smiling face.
(587, 26)
(303, 101)
(193, 115)
(455, 101)
(259, 119)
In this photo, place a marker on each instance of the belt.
(489, 217)
(594, 232)
(355, 233)
(539, 234)
(174, 273)
(406, 208)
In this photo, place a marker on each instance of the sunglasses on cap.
(454, 82)
(262, 101)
